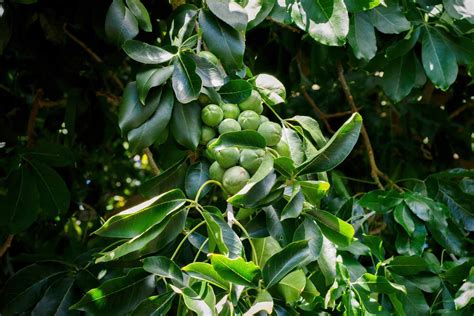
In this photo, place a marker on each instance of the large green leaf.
(120, 23)
(327, 261)
(292, 285)
(438, 58)
(141, 14)
(295, 145)
(200, 299)
(283, 262)
(465, 294)
(221, 234)
(403, 46)
(270, 88)
(196, 176)
(155, 305)
(242, 139)
(119, 295)
(235, 91)
(460, 9)
(311, 126)
(171, 178)
(236, 270)
(336, 149)
(381, 201)
(327, 21)
(183, 22)
(163, 267)
(211, 75)
(186, 124)
(402, 216)
(205, 272)
(263, 303)
(361, 36)
(399, 77)
(338, 231)
(257, 11)
(265, 248)
(314, 191)
(389, 19)
(407, 265)
(186, 82)
(137, 219)
(57, 299)
(148, 132)
(379, 284)
(361, 5)
(294, 207)
(309, 230)
(146, 53)
(230, 12)
(222, 40)
(152, 78)
(52, 154)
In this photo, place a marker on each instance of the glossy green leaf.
(148, 132)
(275, 227)
(222, 235)
(400, 48)
(270, 88)
(186, 124)
(263, 303)
(460, 9)
(336, 149)
(196, 176)
(283, 262)
(155, 305)
(420, 205)
(295, 145)
(257, 11)
(152, 78)
(311, 126)
(403, 217)
(294, 207)
(361, 36)
(211, 75)
(438, 58)
(361, 5)
(375, 244)
(235, 91)
(292, 285)
(186, 82)
(284, 165)
(338, 231)
(314, 191)
(379, 284)
(52, 154)
(265, 248)
(465, 294)
(57, 299)
(163, 267)
(222, 40)
(413, 301)
(230, 12)
(407, 265)
(183, 23)
(171, 178)
(400, 77)
(236, 270)
(411, 244)
(381, 201)
(389, 19)
(120, 23)
(309, 230)
(242, 139)
(205, 272)
(118, 295)
(141, 14)
(145, 53)
(200, 299)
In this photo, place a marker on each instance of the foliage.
(96, 227)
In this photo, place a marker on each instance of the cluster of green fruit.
(233, 166)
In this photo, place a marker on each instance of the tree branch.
(374, 170)
(317, 110)
(6, 245)
(154, 167)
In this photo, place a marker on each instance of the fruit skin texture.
(230, 110)
(251, 159)
(212, 115)
(253, 103)
(207, 134)
(271, 132)
(227, 157)
(263, 119)
(235, 179)
(283, 149)
(216, 172)
(249, 120)
(229, 125)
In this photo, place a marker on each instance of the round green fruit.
(263, 119)
(229, 125)
(235, 179)
(216, 172)
(204, 99)
(282, 148)
(230, 110)
(271, 132)
(212, 115)
(253, 103)
(249, 120)
(207, 133)
(251, 159)
(227, 157)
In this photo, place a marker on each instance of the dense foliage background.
(407, 188)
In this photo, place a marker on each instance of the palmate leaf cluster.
(294, 240)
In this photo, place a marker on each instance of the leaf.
(311, 126)
(205, 272)
(295, 145)
(152, 78)
(186, 83)
(413, 301)
(294, 207)
(145, 53)
(141, 14)
(263, 303)
(335, 229)
(284, 165)
(421, 206)
(155, 305)
(120, 23)
(211, 75)
(20, 206)
(196, 176)
(309, 230)
(236, 270)
(230, 12)
(235, 91)
(460, 9)
(163, 267)
(314, 191)
(284, 261)
(52, 154)
(221, 233)
(183, 22)
(400, 77)
(57, 299)
(381, 201)
(257, 11)
(292, 285)
(361, 5)
(223, 41)
(411, 245)
(22, 291)
(148, 132)
(54, 194)
(400, 48)
(336, 149)
(270, 88)
(171, 178)
(275, 226)
(407, 265)
(327, 261)
(439, 60)
(119, 295)
(403, 217)
(186, 124)
(465, 295)
(379, 284)
(265, 248)
(202, 301)
(459, 205)
(389, 19)
(361, 37)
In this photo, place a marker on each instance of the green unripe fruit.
(251, 159)
(212, 115)
(230, 110)
(253, 103)
(282, 148)
(204, 99)
(235, 179)
(216, 172)
(229, 125)
(263, 119)
(249, 120)
(271, 132)
(227, 157)
(207, 133)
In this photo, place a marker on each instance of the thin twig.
(35, 106)
(154, 167)
(6, 245)
(460, 110)
(375, 172)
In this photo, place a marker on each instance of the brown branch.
(460, 110)
(317, 110)
(374, 170)
(6, 245)
(154, 167)
(35, 106)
